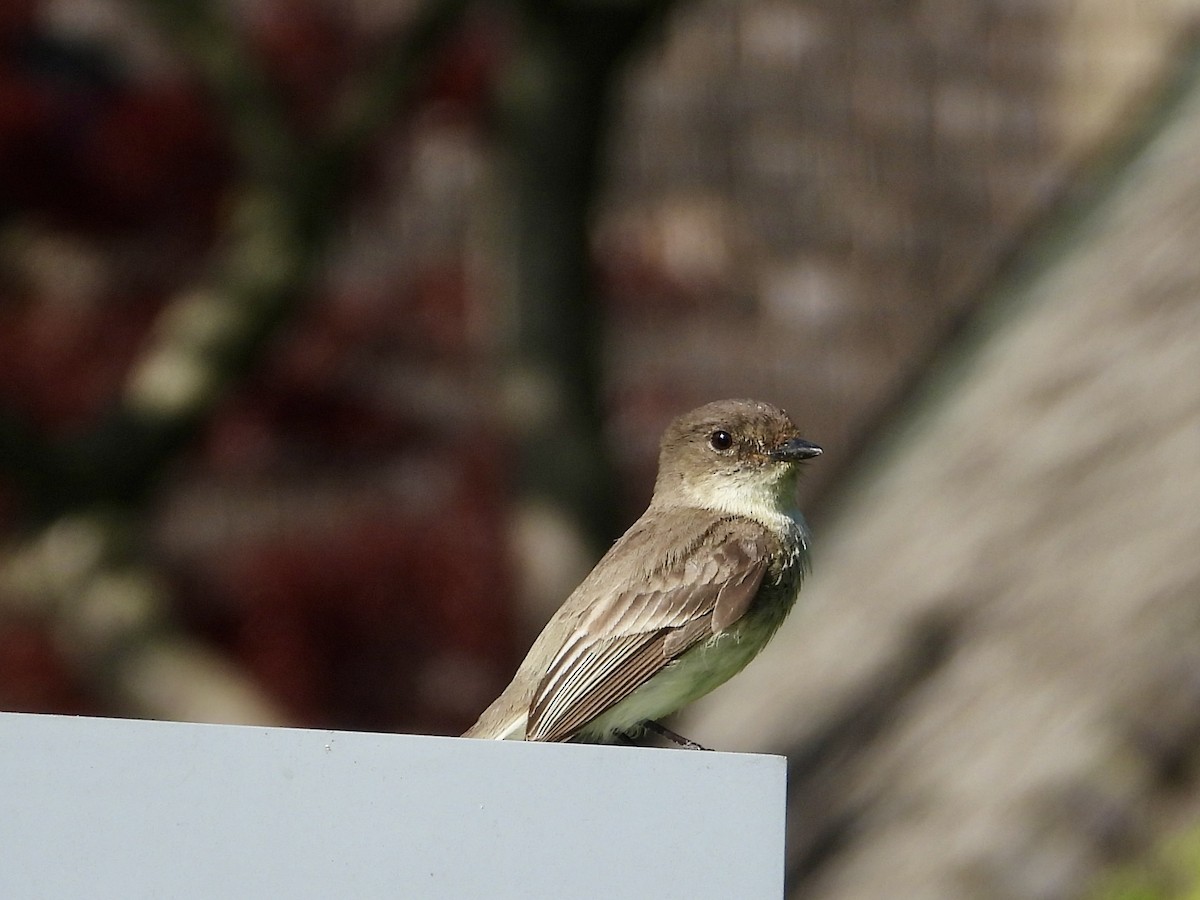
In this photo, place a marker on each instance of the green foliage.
(1172, 872)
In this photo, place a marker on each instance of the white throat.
(769, 501)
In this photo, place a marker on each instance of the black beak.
(794, 449)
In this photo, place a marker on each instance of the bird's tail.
(495, 729)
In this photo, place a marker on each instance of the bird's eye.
(720, 440)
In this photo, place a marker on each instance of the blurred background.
(336, 340)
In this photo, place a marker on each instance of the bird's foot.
(678, 739)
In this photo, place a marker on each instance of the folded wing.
(639, 623)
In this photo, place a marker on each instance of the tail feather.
(511, 730)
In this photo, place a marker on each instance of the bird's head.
(736, 456)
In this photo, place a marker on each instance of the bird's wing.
(634, 627)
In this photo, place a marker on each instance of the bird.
(685, 599)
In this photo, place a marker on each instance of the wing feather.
(635, 627)
(627, 662)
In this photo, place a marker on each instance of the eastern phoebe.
(685, 599)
